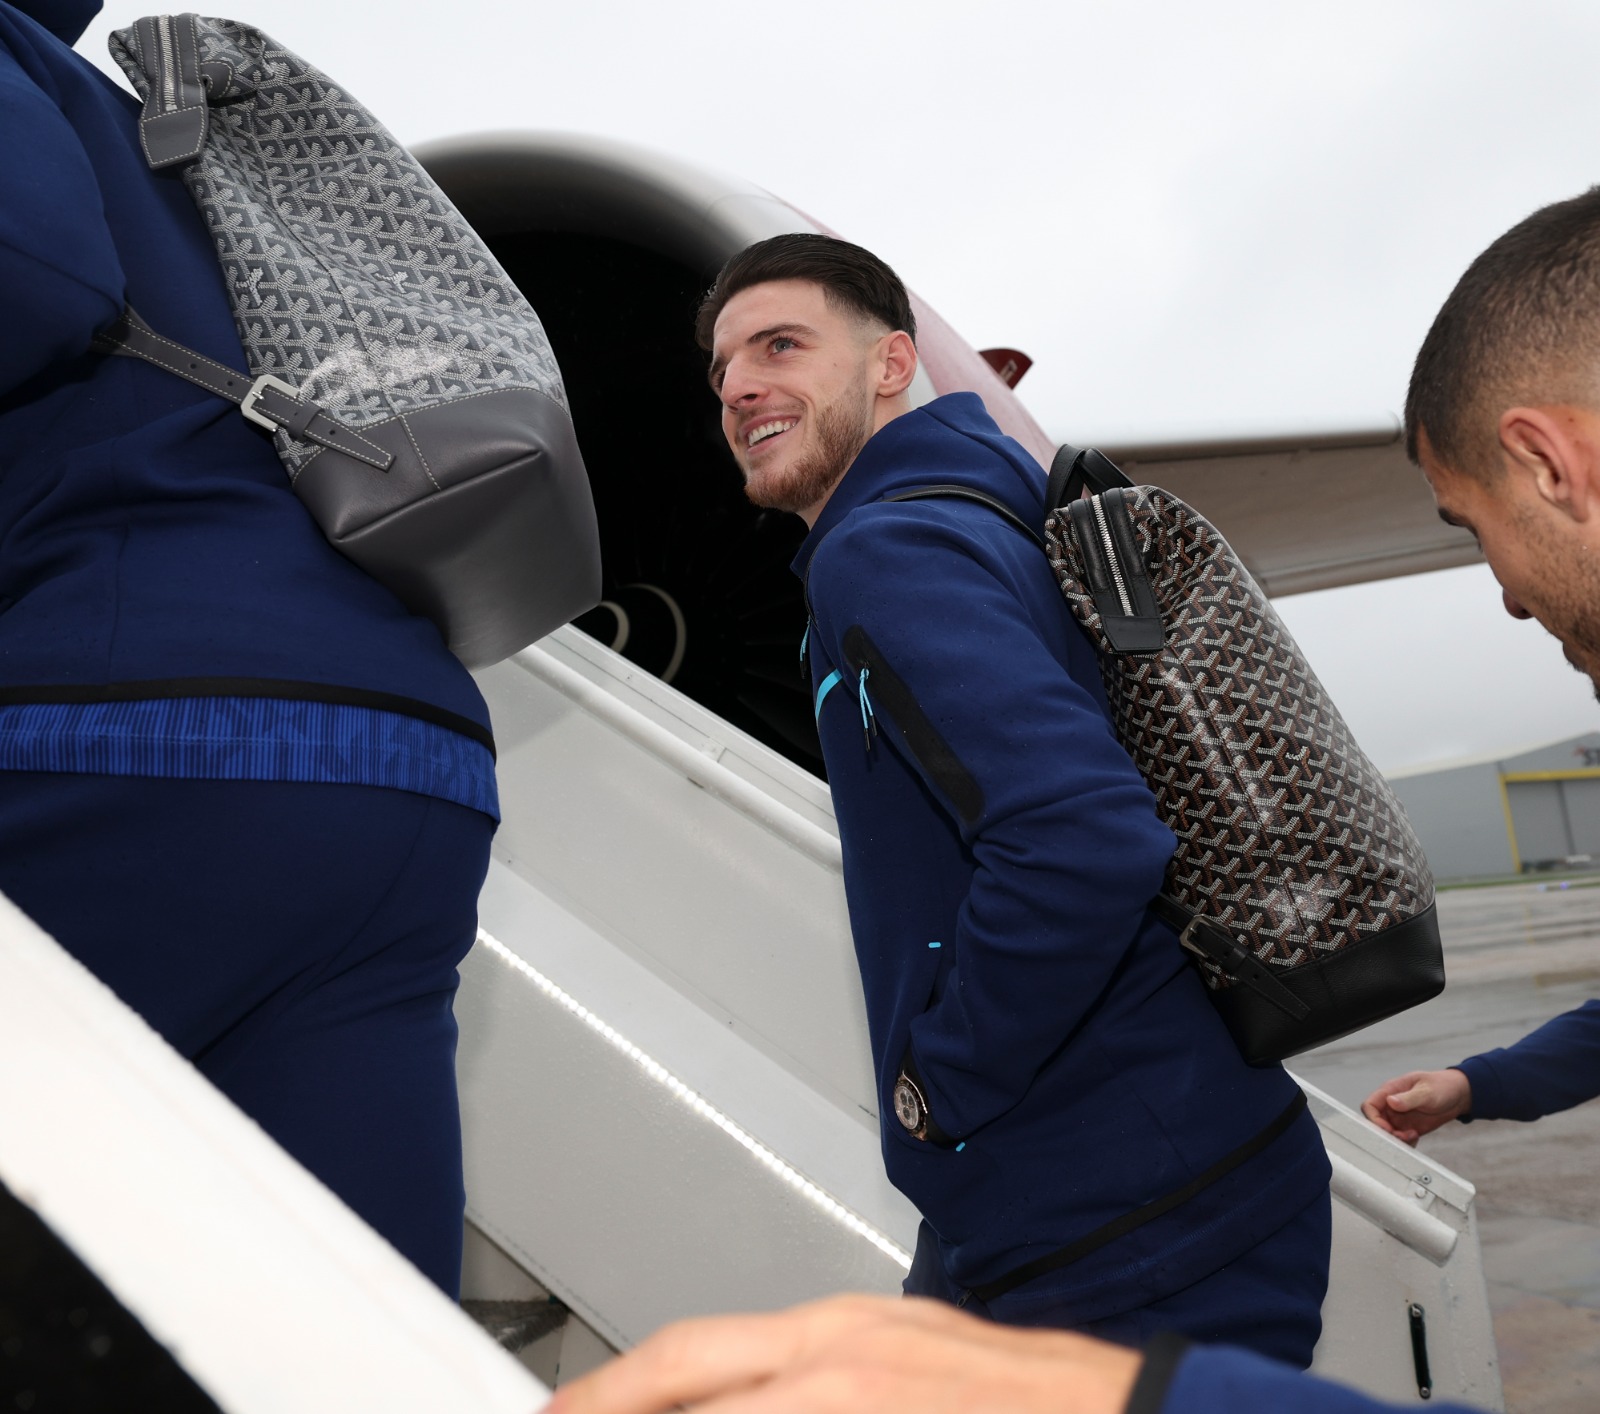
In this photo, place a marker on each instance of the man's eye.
(782, 344)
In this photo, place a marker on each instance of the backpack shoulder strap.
(966, 493)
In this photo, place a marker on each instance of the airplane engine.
(614, 247)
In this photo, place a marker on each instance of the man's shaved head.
(1521, 327)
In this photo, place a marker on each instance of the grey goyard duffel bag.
(1298, 884)
(408, 386)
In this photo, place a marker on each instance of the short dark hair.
(1522, 325)
(854, 280)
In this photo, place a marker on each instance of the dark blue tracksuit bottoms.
(1269, 1299)
(298, 943)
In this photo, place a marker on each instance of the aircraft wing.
(1311, 511)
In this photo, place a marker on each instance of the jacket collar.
(896, 457)
(66, 19)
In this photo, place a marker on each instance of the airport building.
(1492, 816)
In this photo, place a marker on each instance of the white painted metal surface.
(667, 1090)
(663, 1062)
(1404, 1233)
(271, 1293)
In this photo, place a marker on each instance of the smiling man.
(1503, 417)
(829, 378)
(1059, 1098)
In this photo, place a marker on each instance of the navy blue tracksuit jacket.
(1223, 1380)
(1000, 855)
(1548, 1070)
(238, 780)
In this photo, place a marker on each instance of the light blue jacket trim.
(828, 684)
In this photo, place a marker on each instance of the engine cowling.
(614, 247)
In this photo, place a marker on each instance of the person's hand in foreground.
(850, 1354)
(1418, 1102)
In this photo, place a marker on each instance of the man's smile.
(763, 431)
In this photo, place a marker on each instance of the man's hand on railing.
(1418, 1102)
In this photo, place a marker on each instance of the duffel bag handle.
(180, 89)
(1073, 469)
(176, 118)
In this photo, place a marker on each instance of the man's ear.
(1556, 449)
(899, 357)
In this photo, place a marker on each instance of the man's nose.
(1513, 608)
(739, 384)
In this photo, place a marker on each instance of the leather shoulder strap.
(966, 493)
(267, 401)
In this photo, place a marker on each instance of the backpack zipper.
(169, 83)
(1114, 572)
(1112, 561)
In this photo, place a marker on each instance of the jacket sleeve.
(1067, 847)
(1551, 1069)
(60, 277)
(1220, 1379)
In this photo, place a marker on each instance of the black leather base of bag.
(483, 523)
(1363, 982)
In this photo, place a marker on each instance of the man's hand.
(1418, 1102)
(850, 1354)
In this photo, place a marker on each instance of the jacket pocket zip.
(912, 727)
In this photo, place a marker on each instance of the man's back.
(149, 532)
(223, 747)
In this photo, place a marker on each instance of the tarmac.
(1515, 955)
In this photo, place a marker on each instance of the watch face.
(907, 1104)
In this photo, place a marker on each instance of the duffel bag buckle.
(247, 404)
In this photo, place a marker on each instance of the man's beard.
(1569, 599)
(1574, 618)
(841, 432)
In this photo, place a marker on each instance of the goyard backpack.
(408, 386)
(1298, 884)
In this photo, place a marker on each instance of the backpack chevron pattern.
(404, 308)
(1288, 836)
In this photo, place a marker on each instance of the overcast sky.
(1198, 219)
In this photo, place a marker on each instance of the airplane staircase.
(667, 1092)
